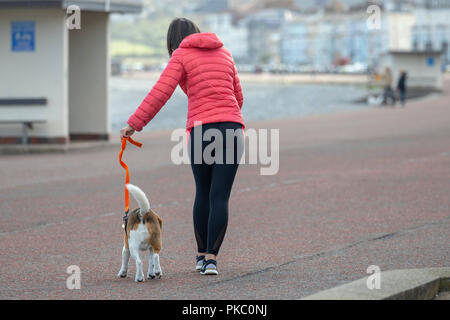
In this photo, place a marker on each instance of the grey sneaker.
(209, 267)
(199, 262)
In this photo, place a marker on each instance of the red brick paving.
(354, 189)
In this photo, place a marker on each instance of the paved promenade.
(354, 189)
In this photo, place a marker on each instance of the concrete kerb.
(14, 149)
(407, 284)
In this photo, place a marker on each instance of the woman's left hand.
(126, 132)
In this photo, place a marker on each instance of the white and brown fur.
(143, 232)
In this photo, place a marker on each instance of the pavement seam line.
(329, 252)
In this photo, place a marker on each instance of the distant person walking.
(401, 87)
(206, 72)
(388, 93)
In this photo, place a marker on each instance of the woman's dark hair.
(179, 29)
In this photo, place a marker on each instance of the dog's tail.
(140, 198)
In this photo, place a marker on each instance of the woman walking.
(205, 71)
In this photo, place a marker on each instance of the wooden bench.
(17, 115)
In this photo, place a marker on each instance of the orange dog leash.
(127, 174)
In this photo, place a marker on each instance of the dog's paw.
(122, 274)
(151, 272)
(158, 274)
(139, 277)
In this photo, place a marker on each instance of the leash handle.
(124, 165)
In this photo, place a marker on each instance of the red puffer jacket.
(205, 71)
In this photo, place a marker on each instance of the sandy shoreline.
(277, 78)
(265, 77)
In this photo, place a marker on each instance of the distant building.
(397, 26)
(264, 34)
(234, 37)
(331, 38)
(214, 6)
(294, 43)
(217, 16)
(432, 28)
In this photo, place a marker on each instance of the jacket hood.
(204, 40)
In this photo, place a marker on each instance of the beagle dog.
(143, 231)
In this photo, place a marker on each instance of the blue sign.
(22, 35)
(430, 61)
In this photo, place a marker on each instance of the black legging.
(213, 183)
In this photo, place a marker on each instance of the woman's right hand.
(126, 132)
